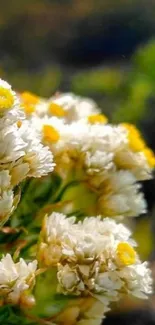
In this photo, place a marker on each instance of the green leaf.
(10, 315)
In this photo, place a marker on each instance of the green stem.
(64, 189)
(38, 320)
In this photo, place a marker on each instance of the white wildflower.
(21, 152)
(75, 107)
(138, 279)
(9, 105)
(15, 278)
(12, 146)
(95, 256)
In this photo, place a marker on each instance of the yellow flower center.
(29, 98)
(126, 254)
(136, 142)
(97, 118)
(50, 133)
(150, 157)
(6, 98)
(56, 110)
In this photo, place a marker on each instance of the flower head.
(16, 278)
(95, 256)
(21, 152)
(72, 107)
(7, 96)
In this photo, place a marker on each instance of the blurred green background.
(103, 49)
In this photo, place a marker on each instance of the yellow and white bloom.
(9, 105)
(95, 257)
(93, 152)
(136, 156)
(21, 152)
(72, 107)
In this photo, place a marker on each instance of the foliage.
(44, 82)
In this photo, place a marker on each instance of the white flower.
(75, 107)
(53, 132)
(55, 231)
(122, 204)
(98, 149)
(57, 225)
(69, 279)
(138, 279)
(39, 158)
(136, 162)
(20, 140)
(24, 269)
(94, 256)
(108, 284)
(97, 166)
(9, 105)
(121, 196)
(21, 152)
(94, 148)
(12, 145)
(93, 151)
(40, 161)
(107, 228)
(41, 109)
(15, 278)
(119, 147)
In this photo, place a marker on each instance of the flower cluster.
(91, 261)
(108, 160)
(94, 257)
(22, 154)
(16, 280)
